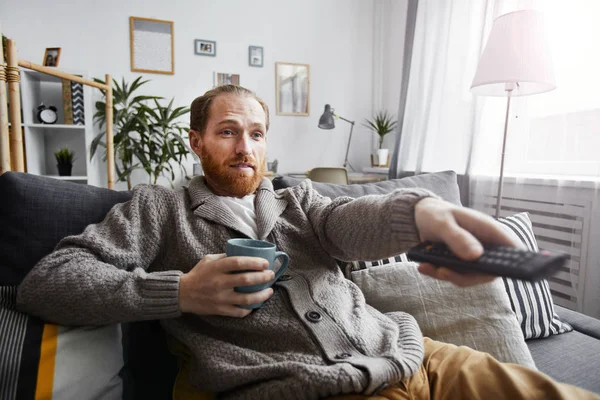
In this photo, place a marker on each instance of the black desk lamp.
(327, 121)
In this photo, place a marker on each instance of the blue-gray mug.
(262, 249)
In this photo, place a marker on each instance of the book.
(67, 102)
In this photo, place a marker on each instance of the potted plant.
(147, 134)
(64, 161)
(382, 124)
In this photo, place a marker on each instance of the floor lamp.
(327, 121)
(516, 61)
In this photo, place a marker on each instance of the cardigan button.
(313, 316)
(343, 356)
(285, 277)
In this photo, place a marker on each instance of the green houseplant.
(382, 124)
(64, 161)
(147, 134)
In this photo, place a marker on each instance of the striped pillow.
(358, 265)
(46, 361)
(531, 301)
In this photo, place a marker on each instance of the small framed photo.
(255, 56)
(205, 47)
(226, 79)
(52, 57)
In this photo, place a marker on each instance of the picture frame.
(222, 78)
(152, 45)
(292, 83)
(255, 56)
(51, 57)
(205, 47)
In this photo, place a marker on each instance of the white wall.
(334, 36)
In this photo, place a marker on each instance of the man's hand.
(461, 229)
(208, 288)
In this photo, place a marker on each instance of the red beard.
(226, 179)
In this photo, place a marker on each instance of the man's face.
(233, 146)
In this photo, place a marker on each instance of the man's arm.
(374, 227)
(99, 276)
(366, 228)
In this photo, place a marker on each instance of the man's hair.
(200, 109)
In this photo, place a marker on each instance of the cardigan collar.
(268, 205)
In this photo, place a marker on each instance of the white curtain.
(552, 164)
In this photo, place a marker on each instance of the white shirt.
(243, 208)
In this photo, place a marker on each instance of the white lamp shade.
(517, 56)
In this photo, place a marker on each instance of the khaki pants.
(451, 372)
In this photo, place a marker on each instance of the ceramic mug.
(262, 249)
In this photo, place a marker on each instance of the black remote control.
(496, 260)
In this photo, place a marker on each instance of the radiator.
(561, 218)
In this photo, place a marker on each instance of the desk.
(376, 170)
(353, 177)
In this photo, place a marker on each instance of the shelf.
(56, 126)
(67, 178)
(42, 77)
(52, 126)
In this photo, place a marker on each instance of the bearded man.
(160, 256)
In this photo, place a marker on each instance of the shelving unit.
(18, 118)
(42, 140)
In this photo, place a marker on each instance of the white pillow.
(479, 317)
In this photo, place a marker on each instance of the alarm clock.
(47, 115)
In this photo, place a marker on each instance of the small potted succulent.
(64, 161)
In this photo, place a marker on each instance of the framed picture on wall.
(151, 44)
(205, 47)
(292, 83)
(51, 57)
(226, 79)
(255, 56)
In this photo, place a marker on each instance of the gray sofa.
(36, 212)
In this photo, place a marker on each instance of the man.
(159, 256)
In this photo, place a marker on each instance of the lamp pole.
(346, 163)
(499, 198)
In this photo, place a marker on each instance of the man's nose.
(244, 145)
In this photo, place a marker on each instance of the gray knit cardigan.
(315, 337)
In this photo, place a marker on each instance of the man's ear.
(196, 141)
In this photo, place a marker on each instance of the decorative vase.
(64, 169)
(382, 156)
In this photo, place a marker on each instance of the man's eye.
(227, 132)
(257, 135)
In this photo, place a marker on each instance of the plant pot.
(64, 169)
(382, 156)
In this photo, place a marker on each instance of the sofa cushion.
(44, 361)
(531, 301)
(37, 212)
(571, 358)
(441, 183)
